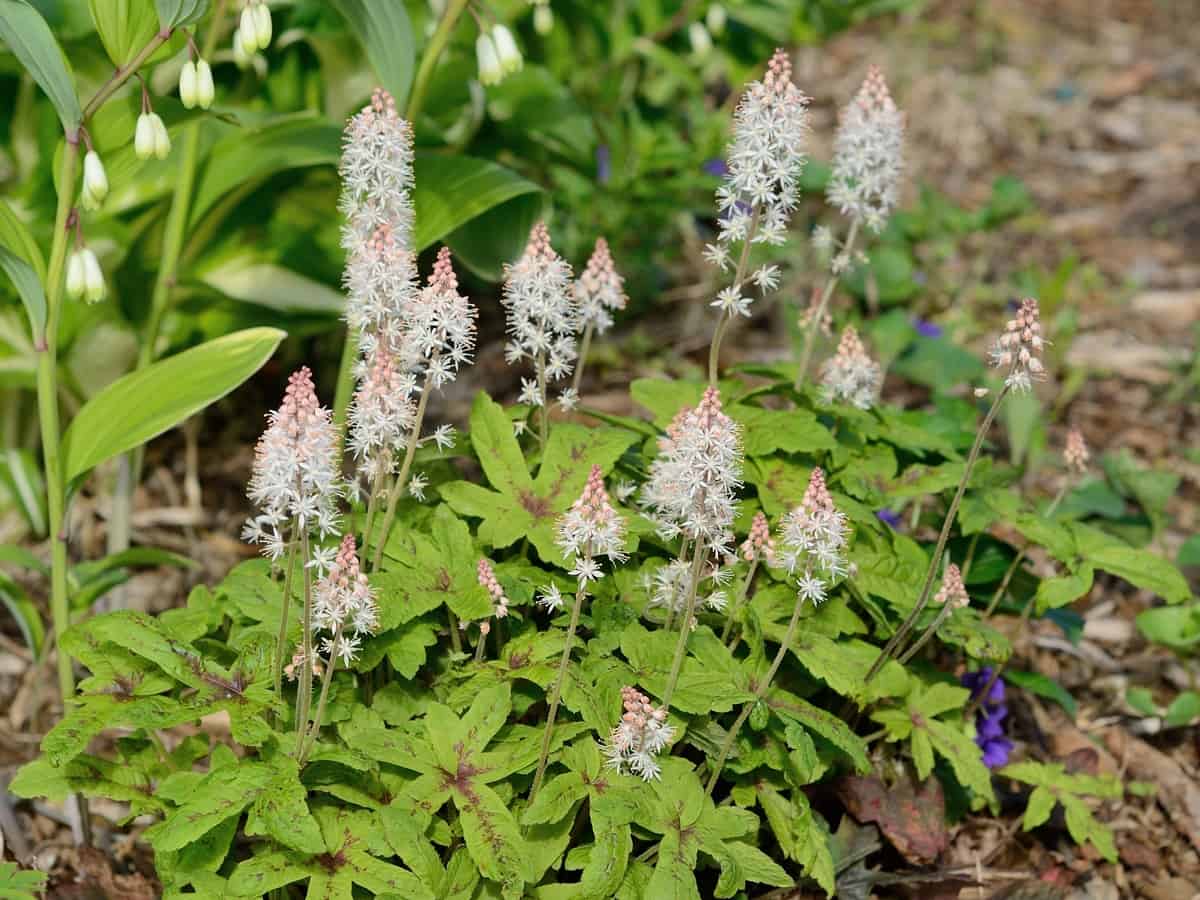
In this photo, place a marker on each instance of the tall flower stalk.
(867, 163)
(758, 547)
(691, 493)
(590, 529)
(599, 292)
(814, 547)
(760, 191)
(951, 595)
(542, 318)
(1018, 353)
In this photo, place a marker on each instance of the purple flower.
(928, 329)
(989, 719)
(715, 166)
(888, 517)
(603, 164)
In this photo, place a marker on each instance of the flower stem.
(685, 627)
(930, 573)
(304, 697)
(739, 276)
(814, 324)
(920, 642)
(401, 481)
(737, 603)
(759, 692)
(556, 693)
(584, 346)
(544, 409)
(283, 616)
(433, 52)
(479, 645)
(310, 734)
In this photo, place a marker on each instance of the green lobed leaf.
(31, 41)
(497, 448)
(280, 810)
(492, 835)
(1142, 569)
(143, 404)
(222, 793)
(1062, 590)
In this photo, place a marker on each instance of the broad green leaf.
(222, 793)
(1042, 686)
(25, 280)
(491, 834)
(90, 714)
(405, 832)
(259, 875)
(1177, 627)
(143, 404)
(24, 613)
(453, 190)
(177, 13)
(124, 26)
(280, 810)
(801, 833)
(273, 286)
(823, 723)
(555, 799)
(766, 431)
(383, 28)
(963, 755)
(14, 235)
(29, 38)
(741, 862)
(1142, 569)
(1038, 808)
(496, 446)
(1062, 590)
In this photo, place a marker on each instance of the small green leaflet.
(1053, 785)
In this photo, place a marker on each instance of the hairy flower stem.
(556, 694)
(383, 466)
(737, 603)
(479, 645)
(310, 734)
(739, 276)
(304, 697)
(759, 692)
(283, 615)
(931, 573)
(814, 324)
(544, 409)
(584, 346)
(401, 481)
(433, 52)
(1017, 560)
(685, 627)
(943, 614)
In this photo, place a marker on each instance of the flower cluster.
(759, 545)
(487, 578)
(150, 137)
(196, 84)
(599, 290)
(670, 584)
(851, 376)
(295, 473)
(989, 720)
(253, 32)
(377, 176)
(765, 157)
(497, 55)
(542, 316)
(591, 528)
(694, 479)
(952, 591)
(814, 540)
(1018, 350)
(641, 735)
(344, 605)
(1075, 453)
(381, 412)
(868, 154)
(439, 325)
(85, 278)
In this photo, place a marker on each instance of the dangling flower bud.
(76, 275)
(507, 50)
(242, 51)
(700, 39)
(94, 289)
(95, 181)
(143, 136)
(248, 29)
(262, 25)
(488, 59)
(543, 19)
(715, 19)
(204, 84)
(162, 140)
(188, 85)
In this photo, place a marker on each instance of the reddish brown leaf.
(913, 819)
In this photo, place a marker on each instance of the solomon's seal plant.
(688, 624)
